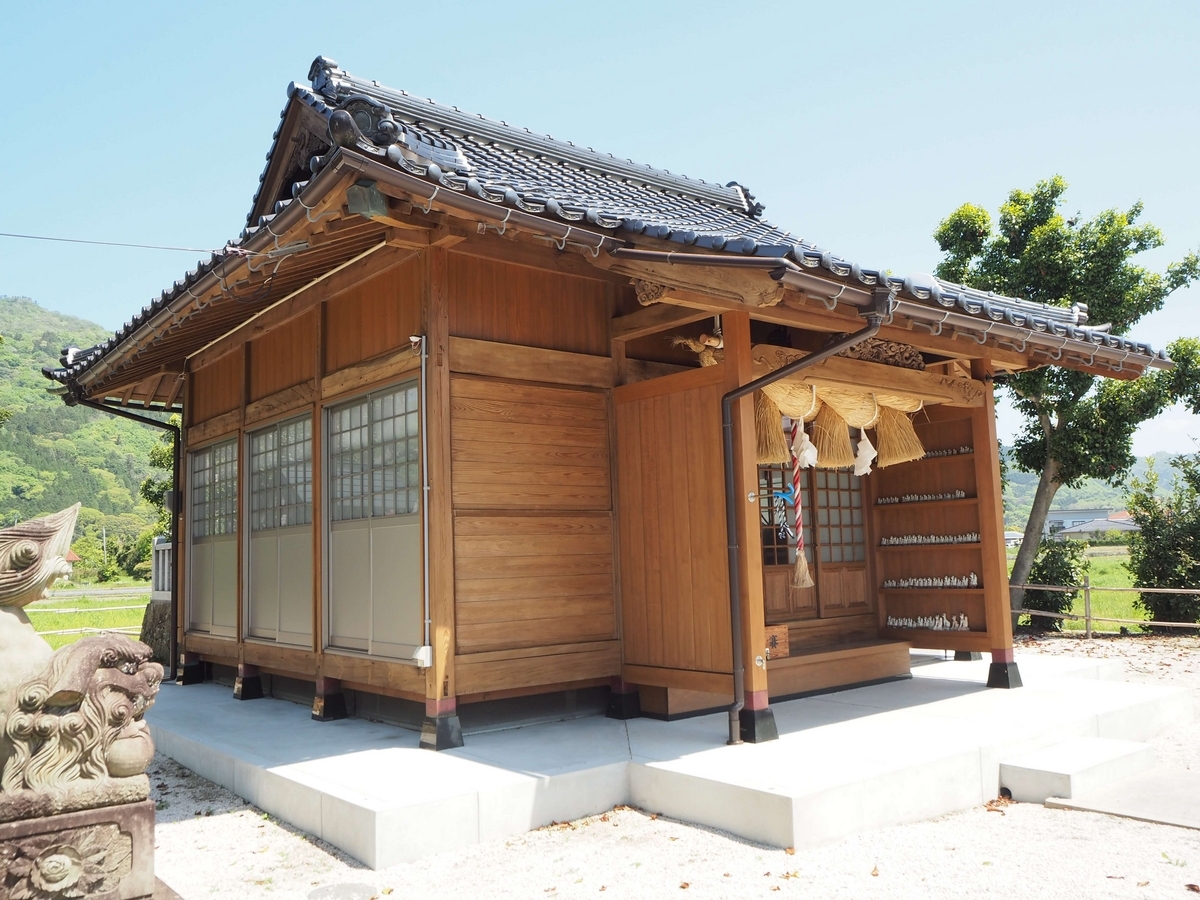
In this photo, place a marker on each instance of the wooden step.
(834, 666)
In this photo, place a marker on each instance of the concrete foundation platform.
(1164, 796)
(1073, 768)
(845, 762)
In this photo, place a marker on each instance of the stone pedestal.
(106, 854)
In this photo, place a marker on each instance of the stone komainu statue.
(75, 820)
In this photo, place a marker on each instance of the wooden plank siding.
(284, 357)
(217, 388)
(374, 318)
(533, 543)
(492, 301)
(523, 446)
(674, 595)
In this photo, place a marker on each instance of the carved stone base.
(97, 853)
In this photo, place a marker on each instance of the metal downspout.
(884, 301)
(176, 461)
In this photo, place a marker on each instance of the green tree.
(162, 460)
(1077, 425)
(5, 414)
(1166, 552)
(1061, 563)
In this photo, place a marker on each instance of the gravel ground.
(212, 844)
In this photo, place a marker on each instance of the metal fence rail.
(1087, 587)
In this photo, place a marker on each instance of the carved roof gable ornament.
(648, 292)
(889, 353)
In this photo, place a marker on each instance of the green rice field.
(1106, 566)
(98, 609)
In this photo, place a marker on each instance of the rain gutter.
(176, 461)
(882, 308)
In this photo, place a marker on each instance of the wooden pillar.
(758, 722)
(319, 519)
(441, 729)
(1003, 672)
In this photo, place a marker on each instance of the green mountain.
(52, 455)
(1091, 494)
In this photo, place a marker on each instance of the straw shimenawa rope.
(898, 441)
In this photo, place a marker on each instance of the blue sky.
(859, 125)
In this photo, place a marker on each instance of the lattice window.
(281, 475)
(214, 490)
(374, 455)
(841, 535)
(777, 515)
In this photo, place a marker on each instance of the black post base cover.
(329, 708)
(248, 687)
(441, 733)
(1004, 675)
(758, 725)
(967, 655)
(624, 706)
(190, 673)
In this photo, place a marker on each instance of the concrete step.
(1073, 768)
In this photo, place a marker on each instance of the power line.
(40, 237)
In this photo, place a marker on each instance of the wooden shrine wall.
(674, 583)
(494, 301)
(284, 357)
(533, 515)
(531, 471)
(217, 388)
(374, 318)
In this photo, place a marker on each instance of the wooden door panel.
(784, 603)
(843, 590)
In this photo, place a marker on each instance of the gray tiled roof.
(517, 169)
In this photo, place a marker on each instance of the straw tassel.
(801, 578)
(831, 436)
(898, 441)
(771, 445)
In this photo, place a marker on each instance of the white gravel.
(211, 844)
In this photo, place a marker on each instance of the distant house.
(1060, 519)
(1013, 538)
(1089, 530)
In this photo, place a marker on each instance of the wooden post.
(1003, 672)
(441, 729)
(1087, 606)
(758, 722)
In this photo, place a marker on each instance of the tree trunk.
(1047, 487)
